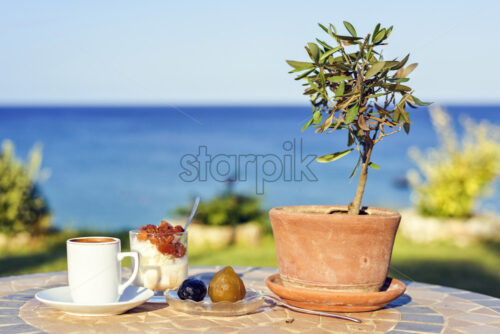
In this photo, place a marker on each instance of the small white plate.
(60, 298)
(252, 302)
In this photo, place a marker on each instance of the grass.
(473, 268)
(43, 254)
(237, 255)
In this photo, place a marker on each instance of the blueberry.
(193, 289)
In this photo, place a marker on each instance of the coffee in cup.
(94, 269)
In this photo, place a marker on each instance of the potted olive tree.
(351, 88)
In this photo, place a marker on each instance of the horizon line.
(198, 105)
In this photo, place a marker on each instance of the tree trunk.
(355, 206)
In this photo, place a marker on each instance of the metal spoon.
(159, 297)
(302, 310)
(195, 207)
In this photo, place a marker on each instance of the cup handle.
(135, 256)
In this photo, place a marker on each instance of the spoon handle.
(193, 211)
(302, 310)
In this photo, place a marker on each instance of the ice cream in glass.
(163, 260)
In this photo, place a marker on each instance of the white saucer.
(60, 298)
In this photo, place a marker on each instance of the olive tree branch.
(382, 135)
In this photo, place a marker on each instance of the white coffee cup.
(94, 269)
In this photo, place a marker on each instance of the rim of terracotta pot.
(308, 211)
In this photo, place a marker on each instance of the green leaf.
(388, 33)
(376, 95)
(355, 168)
(349, 94)
(313, 85)
(350, 28)
(398, 79)
(317, 117)
(332, 30)
(399, 114)
(304, 74)
(333, 125)
(324, 44)
(333, 156)
(402, 88)
(375, 31)
(373, 165)
(397, 87)
(402, 62)
(323, 27)
(404, 72)
(419, 102)
(391, 63)
(406, 126)
(405, 116)
(410, 69)
(379, 36)
(314, 51)
(322, 77)
(348, 38)
(328, 54)
(300, 69)
(299, 64)
(350, 139)
(309, 122)
(396, 115)
(309, 91)
(338, 78)
(351, 114)
(340, 89)
(337, 66)
(410, 104)
(377, 67)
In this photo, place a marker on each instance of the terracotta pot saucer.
(335, 301)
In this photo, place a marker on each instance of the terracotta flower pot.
(317, 249)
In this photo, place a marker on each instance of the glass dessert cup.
(163, 260)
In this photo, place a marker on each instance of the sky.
(230, 52)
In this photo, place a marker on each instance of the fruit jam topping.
(164, 238)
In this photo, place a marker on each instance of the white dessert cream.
(158, 271)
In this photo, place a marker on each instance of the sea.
(112, 168)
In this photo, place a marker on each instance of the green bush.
(458, 172)
(229, 209)
(22, 207)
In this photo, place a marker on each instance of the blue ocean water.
(119, 167)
